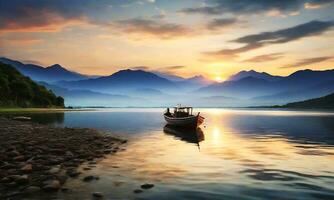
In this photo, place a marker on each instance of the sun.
(218, 79)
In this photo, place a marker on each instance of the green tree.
(18, 90)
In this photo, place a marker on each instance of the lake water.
(239, 154)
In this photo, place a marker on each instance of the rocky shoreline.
(36, 159)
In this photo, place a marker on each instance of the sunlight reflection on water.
(245, 154)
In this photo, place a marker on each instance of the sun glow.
(218, 79)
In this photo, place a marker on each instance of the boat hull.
(194, 135)
(191, 121)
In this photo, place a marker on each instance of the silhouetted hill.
(306, 78)
(254, 74)
(18, 90)
(48, 74)
(121, 81)
(326, 102)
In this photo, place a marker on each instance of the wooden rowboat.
(183, 117)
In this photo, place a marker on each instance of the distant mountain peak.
(252, 79)
(312, 74)
(197, 77)
(56, 66)
(131, 72)
(252, 73)
(48, 74)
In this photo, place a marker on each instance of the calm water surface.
(239, 154)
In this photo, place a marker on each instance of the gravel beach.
(37, 159)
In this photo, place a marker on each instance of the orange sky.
(209, 37)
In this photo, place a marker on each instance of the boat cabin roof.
(182, 107)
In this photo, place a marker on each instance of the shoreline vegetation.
(37, 159)
(18, 90)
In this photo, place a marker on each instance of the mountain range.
(146, 88)
(254, 74)
(121, 81)
(49, 74)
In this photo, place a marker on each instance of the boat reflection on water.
(190, 135)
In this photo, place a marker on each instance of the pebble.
(21, 118)
(18, 157)
(97, 194)
(147, 186)
(27, 168)
(21, 179)
(32, 189)
(137, 191)
(54, 170)
(49, 155)
(90, 178)
(69, 154)
(73, 173)
(52, 186)
(5, 180)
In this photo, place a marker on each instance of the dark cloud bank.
(218, 7)
(281, 36)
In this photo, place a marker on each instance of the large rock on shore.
(52, 186)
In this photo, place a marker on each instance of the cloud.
(53, 15)
(160, 69)
(317, 4)
(20, 40)
(255, 41)
(145, 68)
(168, 70)
(172, 68)
(308, 61)
(40, 15)
(35, 62)
(219, 7)
(152, 28)
(216, 7)
(230, 54)
(264, 58)
(286, 35)
(219, 23)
